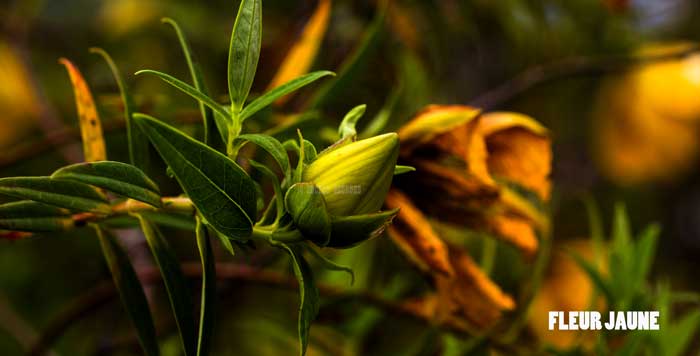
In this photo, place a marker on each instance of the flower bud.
(355, 178)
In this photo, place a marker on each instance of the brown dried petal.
(411, 231)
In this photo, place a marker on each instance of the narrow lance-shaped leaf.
(208, 299)
(268, 98)
(275, 186)
(220, 190)
(403, 169)
(195, 73)
(244, 51)
(347, 126)
(57, 192)
(175, 284)
(308, 294)
(330, 264)
(354, 63)
(137, 141)
(90, 125)
(130, 292)
(121, 178)
(188, 89)
(301, 56)
(272, 146)
(27, 215)
(348, 231)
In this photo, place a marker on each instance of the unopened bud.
(355, 178)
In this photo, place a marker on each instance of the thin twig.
(69, 135)
(104, 292)
(566, 68)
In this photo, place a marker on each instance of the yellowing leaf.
(412, 233)
(300, 57)
(90, 125)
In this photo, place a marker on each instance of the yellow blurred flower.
(18, 100)
(566, 288)
(646, 121)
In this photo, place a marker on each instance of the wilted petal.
(475, 296)
(412, 233)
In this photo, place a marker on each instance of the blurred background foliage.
(620, 132)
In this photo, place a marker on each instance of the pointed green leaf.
(308, 294)
(268, 98)
(27, 215)
(196, 74)
(130, 292)
(348, 231)
(403, 169)
(58, 192)
(208, 299)
(330, 264)
(347, 126)
(272, 146)
(30, 209)
(305, 203)
(188, 89)
(595, 276)
(137, 142)
(354, 63)
(244, 51)
(221, 190)
(646, 249)
(681, 334)
(382, 118)
(120, 178)
(279, 202)
(175, 284)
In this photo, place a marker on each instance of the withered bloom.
(484, 172)
(488, 172)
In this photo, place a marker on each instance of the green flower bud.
(355, 178)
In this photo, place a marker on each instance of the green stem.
(234, 130)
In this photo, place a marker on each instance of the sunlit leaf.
(175, 284)
(221, 190)
(301, 56)
(61, 193)
(120, 178)
(90, 125)
(244, 51)
(130, 291)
